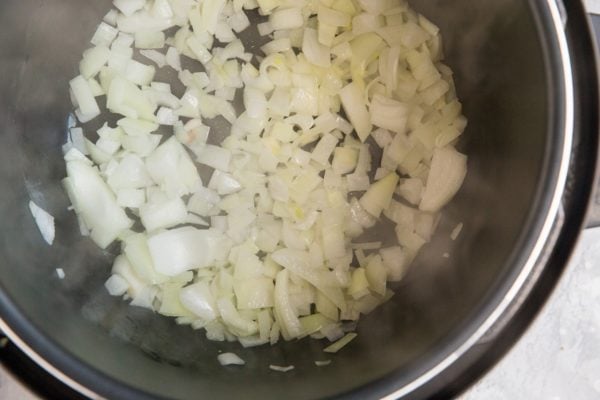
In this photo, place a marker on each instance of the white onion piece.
(89, 193)
(356, 110)
(139, 73)
(448, 171)
(239, 21)
(255, 103)
(298, 262)
(337, 346)
(388, 114)
(162, 9)
(230, 359)
(44, 222)
(394, 261)
(287, 18)
(281, 369)
(93, 60)
(85, 98)
(211, 11)
(170, 166)
(314, 51)
(128, 7)
(127, 99)
(322, 363)
(116, 285)
(232, 318)
(172, 59)
(163, 215)
(333, 17)
(285, 314)
(179, 250)
(149, 40)
(198, 299)
(104, 35)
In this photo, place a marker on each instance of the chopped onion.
(230, 359)
(179, 250)
(281, 369)
(456, 231)
(287, 18)
(356, 110)
(282, 253)
(337, 346)
(314, 51)
(44, 222)
(116, 285)
(448, 171)
(85, 98)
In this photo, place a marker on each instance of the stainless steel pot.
(526, 73)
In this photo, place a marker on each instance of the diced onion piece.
(344, 160)
(127, 99)
(394, 261)
(149, 40)
(89, 193)
(163, 215)
(280, 368)
(314, 51)
(324, 149)
(333, 17)
(379, 195)
(322, 363)
(388, 114)
(170, 166)
(337, 346)
(93, 61)
(116, 285)
(211, 11)
(288, 18)
(285, 314)
(104, 35)
(234, 320)
(298, 262)
(376, 275)
(456, 231)
(128, 7)
(356, 110)
(198, 299)
(85, 98)
(44, 222)
(256, 293)
(230, 359)
(447, 173)
(179, 250)
(172, 59)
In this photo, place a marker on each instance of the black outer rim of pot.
(481, 357)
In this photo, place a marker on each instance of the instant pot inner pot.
(495, 51)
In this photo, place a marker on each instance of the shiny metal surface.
(512, 72)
